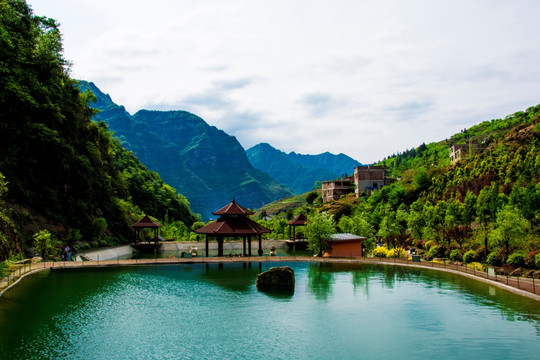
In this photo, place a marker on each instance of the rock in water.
(277, 278)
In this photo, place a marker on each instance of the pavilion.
(146, 223)
(299, 220)
(293, 243)
(233, 221)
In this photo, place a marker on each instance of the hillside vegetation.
(59, 170)
(482, 208)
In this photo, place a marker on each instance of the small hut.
(146, 223)
(233, 221)
(344, 245)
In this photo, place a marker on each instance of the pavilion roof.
(146, 222)
(233, 226)
(299, 220)
(233, 209)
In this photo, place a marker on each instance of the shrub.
(380, 252)
(516, 259)
(3, 269)
(469, 256)
(530, 259)
(432, 253)
(537, 261)
(479, 254)
(476, 266)
(455, 255)
(429, 244)
(396, 253)
(493, 259)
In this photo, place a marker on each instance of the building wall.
(368, 178)
(344, 249)
(332, 190)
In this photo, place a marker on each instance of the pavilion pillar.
(260, 246)
(244, 241)
(249, 245)
(220, 245)
(207, 245)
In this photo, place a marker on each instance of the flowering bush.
(396, 253)
(380, 252)
(476, 266)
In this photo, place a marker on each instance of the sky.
(367, 78)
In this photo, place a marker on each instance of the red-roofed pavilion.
(233, 221)
(299, 220)
(146, 223)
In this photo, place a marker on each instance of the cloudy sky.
(367, 78)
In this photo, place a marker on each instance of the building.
(344, 245)
(334, 189)
(368, 178)
(233, 222)
(460, 152)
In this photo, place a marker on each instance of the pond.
(214, 311)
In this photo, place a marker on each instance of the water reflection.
(192, 311)
(320, 280)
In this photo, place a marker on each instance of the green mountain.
(298, 171)
(202, 162)
(59, 170)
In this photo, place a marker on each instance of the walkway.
(520, 285)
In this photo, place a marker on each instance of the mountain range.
(206, 165)
(299, 171)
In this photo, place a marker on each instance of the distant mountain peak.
(299, 171)
(202, 162)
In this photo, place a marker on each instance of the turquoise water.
(215, 312)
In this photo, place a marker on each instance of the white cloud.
(365, 78)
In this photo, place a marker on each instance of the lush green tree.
(45, 244)
(422, 180)
(197, 225)
(319, 230)
(468, 211)
(310, 198)
(509, 229)
(389, 227)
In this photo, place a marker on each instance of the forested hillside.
(484, 207)
(299, 171)
(202, 162)
(59, 170)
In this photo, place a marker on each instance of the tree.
(421, 180)
(45, 244)
(310, 198)
(197, 225)
(509, 228)
(389, 226)
(319, 230)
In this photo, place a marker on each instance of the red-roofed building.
(233, 221)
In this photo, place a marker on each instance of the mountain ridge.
(300, 171)
(204, 163)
